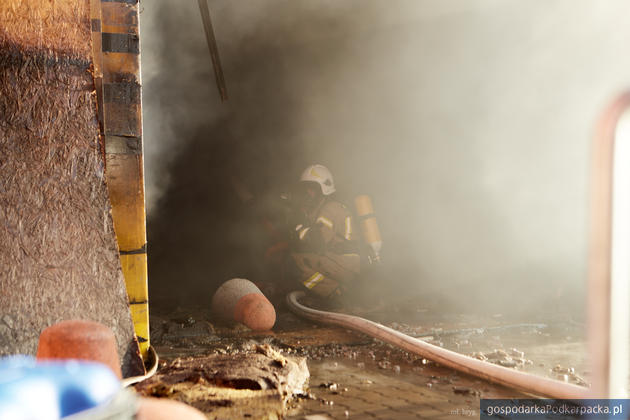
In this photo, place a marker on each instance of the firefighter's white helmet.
(321, 175)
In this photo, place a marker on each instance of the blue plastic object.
(48, 390)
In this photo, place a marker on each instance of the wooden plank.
(122, 128)
(126, 192)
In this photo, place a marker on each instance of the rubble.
(350, 370)
(462, 390)
(568, 375)
(254, 382)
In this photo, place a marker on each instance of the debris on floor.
(351, 375)
(253, 383)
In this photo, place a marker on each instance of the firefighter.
(324, 247)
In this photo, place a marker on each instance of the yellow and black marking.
(116, 41)
(121, 43)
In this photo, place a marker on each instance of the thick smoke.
(469, 123)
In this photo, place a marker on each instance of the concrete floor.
(354, 376)
(363, 392)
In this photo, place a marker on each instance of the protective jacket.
(327, 249)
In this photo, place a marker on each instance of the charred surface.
(59, 257)
(253, 383)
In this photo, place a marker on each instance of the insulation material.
(58, 252)
(253, 383)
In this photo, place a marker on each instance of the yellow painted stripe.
(140, 318)
(325, 221)
(134, 268)
(313, 280)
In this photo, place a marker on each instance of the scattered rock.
(330, 385)
(463, 390)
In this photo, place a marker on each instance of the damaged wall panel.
(58, 252)
(121, 99)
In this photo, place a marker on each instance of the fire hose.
(528, 383)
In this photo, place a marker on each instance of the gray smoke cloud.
(469, 123)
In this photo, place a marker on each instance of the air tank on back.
(369, 226)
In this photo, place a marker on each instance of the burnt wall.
(58, 252)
